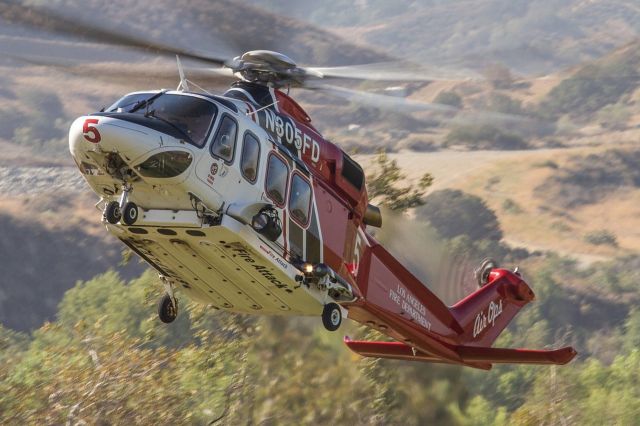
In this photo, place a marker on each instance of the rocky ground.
(25, 180)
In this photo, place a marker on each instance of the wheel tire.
(130, 213)
(482, 273)
(112, 212)
(166, 311)
(331, 316)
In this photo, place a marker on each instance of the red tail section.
(484, 314)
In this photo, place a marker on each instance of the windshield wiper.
(147, 101)
(164, 120)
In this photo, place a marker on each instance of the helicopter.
(239, 203)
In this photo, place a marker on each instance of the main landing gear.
(167, 309)
(331, 316)
(168, 306)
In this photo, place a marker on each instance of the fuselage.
(200, 168)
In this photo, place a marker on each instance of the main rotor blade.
(46, 19)
(383, 102)
(392, 71)
(163, 72)
(403, 105)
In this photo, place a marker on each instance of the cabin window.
(250, 157)
(224, 144)
(352, 172)
(277, 176)
(300, 199)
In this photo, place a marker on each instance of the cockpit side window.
(250, 157)
(300, 199)
(224, 144)
(277, 177)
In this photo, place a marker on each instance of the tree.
(484, 136)
(449, 98)
(452, 213)
(499, 76)
(383, 184)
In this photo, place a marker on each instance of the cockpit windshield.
(190, 116)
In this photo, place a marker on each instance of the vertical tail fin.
(486, 312)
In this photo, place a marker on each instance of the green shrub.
(484, 136)
(504, 104)
(10, 119)
(510, 206)
(589, 179)
(449, 98)
(547, 163)
(453, 213)
(591, 88)
(601, 237)
(614, 117)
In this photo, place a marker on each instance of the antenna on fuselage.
(183, 86)
(260, 109)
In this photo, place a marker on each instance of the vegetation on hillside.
(595, 85)
(589, 179)
(528, 36)
(40, 264)
(108, 359)
(484, 136)
(453, 213)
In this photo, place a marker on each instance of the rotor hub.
(267, 67)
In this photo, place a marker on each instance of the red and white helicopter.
(239, 203)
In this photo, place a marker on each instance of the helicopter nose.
(106, 134)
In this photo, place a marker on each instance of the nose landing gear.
(130, 213)
(112, 212)
(123, 210)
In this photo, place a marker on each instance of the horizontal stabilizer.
(516, 356)
(398, 350)
(394, 350)
(474, 356)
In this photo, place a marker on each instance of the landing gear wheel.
(482, 273)
(130, 213)
(331, 316)
(167, 311)
(112, 212)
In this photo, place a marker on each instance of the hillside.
(220, 27)
(531, 193)
(539, 36)
(52, 238)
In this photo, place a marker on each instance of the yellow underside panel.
(227, 266)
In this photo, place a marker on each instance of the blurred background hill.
(557, 193)
(538, 36)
